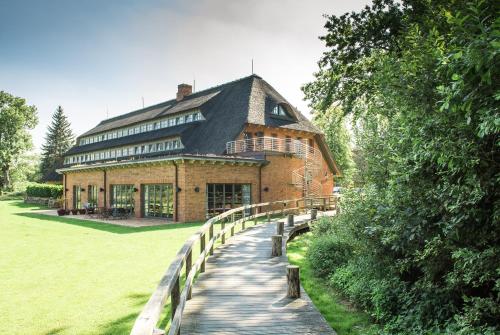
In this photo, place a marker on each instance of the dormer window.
(280, 110)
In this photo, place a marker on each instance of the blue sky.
(99, 58)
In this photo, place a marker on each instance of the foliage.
(424, 233)
(342, 317)
(333, 124)
(25, 170)
(58, 140)
(16, 118)
(44, 190)
(327, 253)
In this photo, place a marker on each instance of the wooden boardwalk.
(243, 291)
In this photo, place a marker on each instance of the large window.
(92, 195)
(122, 196)
(77, 197)
(223, 197)
(158, 200)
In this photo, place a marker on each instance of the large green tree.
(16, 119)
(334, 125)
(58, 140)
(419, 78)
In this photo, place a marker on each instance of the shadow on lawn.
(124, 324)
(107, 227)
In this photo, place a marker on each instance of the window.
(77, 197)
(171, 122)
(143, 128)
(279, 110)
(311, 145)
(159, 147)
(92, 196)
(223, 197)
(189, 118)
(158, 200)
(122, 196)
(150, 127)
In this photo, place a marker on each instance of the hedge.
(44, 191)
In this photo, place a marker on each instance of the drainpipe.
(105, 188)
(176, 187)
(65, 201)
(260, 183)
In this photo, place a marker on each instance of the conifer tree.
(58, 140)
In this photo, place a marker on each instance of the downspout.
(176, 188)
(260, 183)
(105, 188)
(65, 200)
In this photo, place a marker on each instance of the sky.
(100, 59)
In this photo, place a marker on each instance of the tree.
(58, 140)
(25, 170)
(419, 79)
(16, 119)
(333, 124)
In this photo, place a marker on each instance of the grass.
(341, 316)
(67, 276)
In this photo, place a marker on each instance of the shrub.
(61, 212)
(326, 253)
(74, 211)
(44, 190)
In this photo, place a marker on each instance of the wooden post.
(283, 210)
(202, 248)
(175, 296)
(277, 245)
(211, 236)
(268, 217)
(290, 220)
(314, 213)
(280, 227)
(222, 227)
(293, 278)
(189, 264)
(232, 228)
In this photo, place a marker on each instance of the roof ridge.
(145, 109)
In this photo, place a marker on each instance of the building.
(200, 154)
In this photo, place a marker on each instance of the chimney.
(183, 90)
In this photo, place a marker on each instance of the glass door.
(158, 201)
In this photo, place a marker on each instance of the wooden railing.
(170, 283)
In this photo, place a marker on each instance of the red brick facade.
(269, 182)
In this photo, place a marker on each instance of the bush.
(326, 253)
(44, 191)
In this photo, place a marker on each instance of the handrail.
(169, 285)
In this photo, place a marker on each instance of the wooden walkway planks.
(243, 291)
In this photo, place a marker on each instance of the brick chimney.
(183, 90)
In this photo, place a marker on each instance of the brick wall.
(192, 205)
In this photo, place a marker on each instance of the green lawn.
(69, 276)
(345, 319)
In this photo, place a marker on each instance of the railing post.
(280, 227)
(314, 213)
(189, 264)
(175, 296)
(222, 227)
(293, 279)
(277, 245)
(268, 217)
(211, 236)
(202, 248)
(290, 220)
